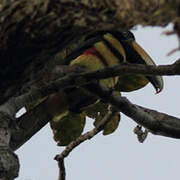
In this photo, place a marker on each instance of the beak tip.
(158, 90)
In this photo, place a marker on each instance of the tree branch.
(79, 78)
(62, 170)
(60, 158)
(131, 69)
(28, 125)
(156, 122)
(9, 164)
(73, 76)
(111, 113)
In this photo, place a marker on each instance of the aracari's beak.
(156, 81)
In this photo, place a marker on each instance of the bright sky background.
(120, 155)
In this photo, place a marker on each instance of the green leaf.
(97, 112)
(112, 125)
(68, 127)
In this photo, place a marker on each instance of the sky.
(120, 155)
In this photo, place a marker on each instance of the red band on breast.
(93, 51)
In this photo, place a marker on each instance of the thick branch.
(73, 76)
(167, 125)
(9, 164)
(104, 13)
(29, 124)
(156, 122)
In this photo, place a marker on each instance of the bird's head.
(135, 54)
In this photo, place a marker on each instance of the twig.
(62, 170)
(87, 135)
(176, 30)
(60, 158)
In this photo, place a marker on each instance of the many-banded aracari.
(99, 50)
(125, 49)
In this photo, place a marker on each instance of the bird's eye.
(128, 35)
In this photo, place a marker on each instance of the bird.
(99, 49)
(128, 51)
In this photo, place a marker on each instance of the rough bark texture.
(32, 32)
(9, 164)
